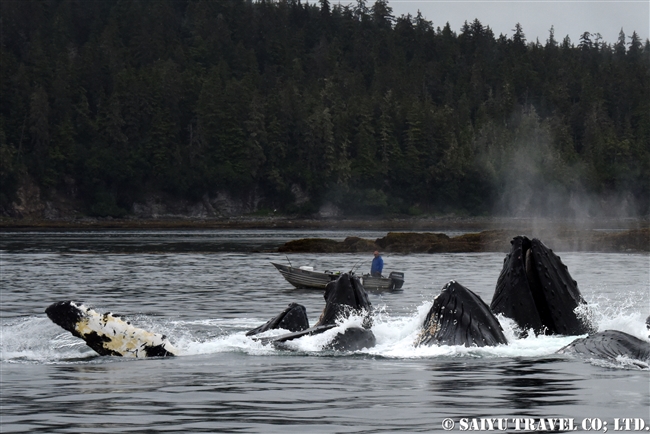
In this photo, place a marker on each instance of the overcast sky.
(572, 17)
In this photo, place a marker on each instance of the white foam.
(36, 339)
(621, 362)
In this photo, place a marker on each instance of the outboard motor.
(397, 280)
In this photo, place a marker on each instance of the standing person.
(377, 265)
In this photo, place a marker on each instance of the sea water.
(205, 289)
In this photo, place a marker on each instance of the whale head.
(293, 318)
(460, 317)
(536, 290)
(345, 296)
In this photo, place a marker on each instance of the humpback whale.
(293, 318)
(536, 290)
(609, 344)
(460, 317)
(108, 335)
(344, 297)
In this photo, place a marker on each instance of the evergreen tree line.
(373, 113)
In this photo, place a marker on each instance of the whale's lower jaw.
(536, 290)
(460, 317)
(108, 335)
(293, 318)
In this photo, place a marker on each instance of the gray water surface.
(207, 294)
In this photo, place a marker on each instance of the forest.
(111, 101)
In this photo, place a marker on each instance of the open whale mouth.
(537, 291)
(293, 318)
(460, 317)
(344, 297)
(535, 284)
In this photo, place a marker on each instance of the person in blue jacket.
(377, 265)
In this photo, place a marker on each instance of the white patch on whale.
(118, 336)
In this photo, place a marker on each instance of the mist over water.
(539, 182)
(205, 301)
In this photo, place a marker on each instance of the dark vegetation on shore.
(637, 240)
(295, 105)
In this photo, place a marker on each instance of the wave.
(36, 340)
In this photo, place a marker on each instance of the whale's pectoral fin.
(100, 343)
(108, 335)
(67, 315)
(609, 344)
(536, 290)
(460, 317)
(293, 318)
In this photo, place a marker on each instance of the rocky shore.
(404, 235)
(637, 240)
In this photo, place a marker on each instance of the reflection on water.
(533, 383)
(520, 385)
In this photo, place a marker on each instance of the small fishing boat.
(393, 282)
(306, 277)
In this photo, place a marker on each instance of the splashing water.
(37, 340)
(205, 303)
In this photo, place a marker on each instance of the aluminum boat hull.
(318, 280)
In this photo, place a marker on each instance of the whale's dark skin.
(343, 297)
(66, 315)
(536, 290)
(460, 317)
(293, 318)
(609, 345)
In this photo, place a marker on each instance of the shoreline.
(403, 235)
(635, 240)
(450, 223)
